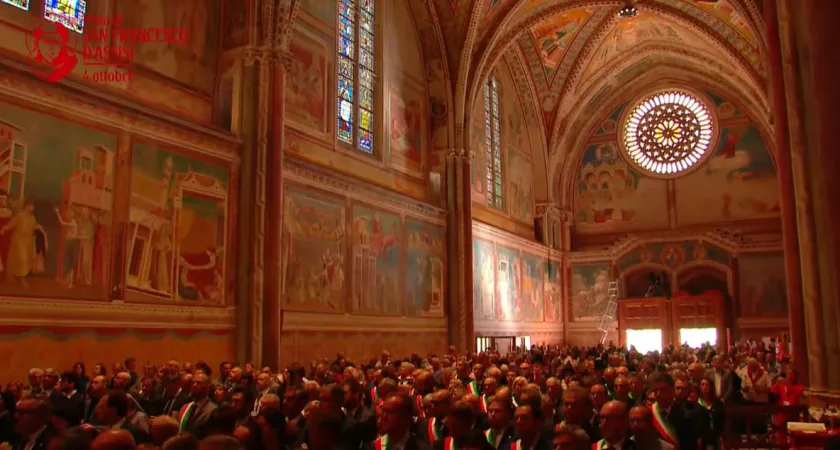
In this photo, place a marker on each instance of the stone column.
(567, 224)
(459, 249)
(548, 223)
(787, 203)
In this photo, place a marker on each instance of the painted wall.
(178, 77)
(517, 287)
(352, 252)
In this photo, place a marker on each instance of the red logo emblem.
(52, 45)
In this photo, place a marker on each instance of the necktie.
(167, 409)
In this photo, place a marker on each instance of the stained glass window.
(356, 73)
(70, 13)
(493, 144)
(22, 4)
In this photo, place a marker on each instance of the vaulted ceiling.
(581, 58)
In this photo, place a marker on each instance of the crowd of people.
(543, 398)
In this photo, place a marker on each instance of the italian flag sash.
(473, 386)
(449, 444)
(185, 417)
(600, 445)
(755, 376)
(434, 431)
(703, 403)
(490, 434)
(374, 395)
(666, 431)
(419, 402)
(483, 399)
(516, 445)
(382, 443)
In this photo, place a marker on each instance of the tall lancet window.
(493, 144)
(356, 73)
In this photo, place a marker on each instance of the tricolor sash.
(516, 445)
(756, 376)
(185, 417)
(374, 395)
(703, 403)
(665, 429)
(419, 402)
(490, 434)
(449, 444)
(382, 443)
(483, 399)
(600, 445)
(473, 386)
(434, 431)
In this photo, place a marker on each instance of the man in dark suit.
(112, 412)
(432, 429)
(193, 415)
(98, 387)
(68, 399)
(332, 401)
(727, 384)
(32, 424)
(528, 422)
(578, 411)
(395, 425)
(364, 417)
(677, 424)
(615, 423)
(499, 417)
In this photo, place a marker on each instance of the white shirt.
(119, 424)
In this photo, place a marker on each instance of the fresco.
(508, 283)
(424, 269)
(514, 121)
(673, 254)
(738, 182)
(235, 26)
(376, 261)
(554, 35)
(552, 270)
(725, 109)
(610, 125)
(520, 178)
(323, 10)
(484, 279)
(193, 63)
(532, 293)
(478, 180)
(724, 10)
(306, 82)
(177, 230)
(314, 250)
(56, 206)
(610, 194)
(588, 290)
(761, 285)
(406, 129)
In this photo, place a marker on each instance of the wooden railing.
(760, 426)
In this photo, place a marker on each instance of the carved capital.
(453, 154)
(265, 54)
(566, 216)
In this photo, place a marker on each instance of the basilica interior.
(276, 181)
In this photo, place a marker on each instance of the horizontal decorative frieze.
(301, 321)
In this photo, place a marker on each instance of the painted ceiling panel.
(554, 36)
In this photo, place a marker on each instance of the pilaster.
(459, 249)
(550, 225)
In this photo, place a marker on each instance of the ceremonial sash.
(188, 412)
(516, 445)
(703, 403)
(754, 379)
(473, 386)
(515, 403)
(491, 437)
(666, 431)
(449, 444)
(600, 445)
(419, 401)
(411, 392)
(374, 395)
(484, 405)
(434, 432)
(382, 443)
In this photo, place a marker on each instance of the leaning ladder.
(609, 310)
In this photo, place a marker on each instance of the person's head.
(50, 379)
(614, 421)
(324, 429)
(224, 369)
(182, 441)
(69, 381)
(263, 381)
(219, 442)
(395, 415)
(662, 388)
(272, 425)
(239, 400)
(162, 428)
(577, 405)
(131, 364)
(554, 388)
(114, 440)
(527, 418)
(753, 365)
(122, 380)
(499, 413)
(525, 370)
(637, 384)
(352, 394)
(621, 387)
(681, 389)
(332, 397)
(221, 421)
(30, 415)
(570, 437)
(294, 399)
(200, 388)
(35, 376)
(441, 399)
(696, 371)
(79, 368)
(112, 407)
(74, 438)
(641, 422)
(459, 419)
(609, 375)
(272, 401)
(599, 395)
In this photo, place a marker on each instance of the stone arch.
(697, 277)
(634, 280)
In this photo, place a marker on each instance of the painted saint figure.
(71, 245)
(21, 257)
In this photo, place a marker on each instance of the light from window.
(70, 13)
(22, 4)
(356, 77)
(696, 337)
(645, 341)
(668, 133)
(492, 132)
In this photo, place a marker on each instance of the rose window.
(668, 133)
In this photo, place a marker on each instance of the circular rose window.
(668, 133)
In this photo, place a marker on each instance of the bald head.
(614, 421)
(114, 440)
(641, 422)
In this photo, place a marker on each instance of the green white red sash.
(374, 395)
(665, 429)
(418, 400)
(185, 417)
(434, 431)
(703, 403)
(483, 399)
(383, 443)
(491, 436)
(449, 444)
(600, 445)
(516, 445)
(473, 386)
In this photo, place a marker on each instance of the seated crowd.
(541, 399)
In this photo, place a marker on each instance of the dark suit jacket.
(507, 437)
(422, 430)
(365, 423)
(73, 407)
(414, 443)
(198, 418)
(350, 439)
(543, 443)
(41, 442)
(691, 422)
(730, 386)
